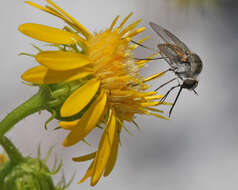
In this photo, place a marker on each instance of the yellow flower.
(112, 89)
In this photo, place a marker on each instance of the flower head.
(103, 78)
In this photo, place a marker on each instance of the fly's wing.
(170, 52)
(161, 32)
(168, 37)
(177, 41)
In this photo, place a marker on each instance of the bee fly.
(185, 64)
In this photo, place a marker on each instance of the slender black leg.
(167, 93)
(179, 73)
(142, 45)
(171, 109)
(165, 83)
(149, 49)
(195, 92)
(150, 58)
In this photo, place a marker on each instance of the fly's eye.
(195, 84)
(190, 84)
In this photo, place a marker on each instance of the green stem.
(34, 104)
(11, 150)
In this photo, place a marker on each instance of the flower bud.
(30, 174)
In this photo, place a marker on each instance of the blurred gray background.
(197, 149)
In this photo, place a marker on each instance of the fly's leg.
(167, 93)
(149, 59)
(166, 83)
(171, 109)
(146, 47)
(195, 92)
(170, 69)
(143, 46)
(179, 73)
(152, 77)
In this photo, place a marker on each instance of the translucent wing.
(170, 52)
(161, 32)
(177, 41)
(167, 36)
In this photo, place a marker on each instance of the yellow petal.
(113, 157)
(42, 75)
(155, 110)
(113, 23)
(165, 103)
(61, 60)
(68, 125)
(80, 98)
(88, 173)
(88, 121)
(84, 158)
(41, 7)
(142, 62)
(147, 104)
(134, 33)
(158, 115)
(49, 34)
(125, 20)
(54, 12)
(130, 27)
(150, 93)
(134, 46)
(154, 76)
(104, 149)
(80, 27)
(156, 97)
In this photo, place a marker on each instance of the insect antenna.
(171, 109)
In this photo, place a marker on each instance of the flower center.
(113, 61)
